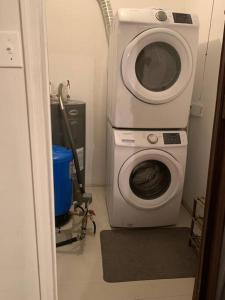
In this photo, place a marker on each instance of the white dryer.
(151, 68)
(145, 177)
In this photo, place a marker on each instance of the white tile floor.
(80, 269)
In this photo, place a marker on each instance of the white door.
(157, 65)
(150, 178)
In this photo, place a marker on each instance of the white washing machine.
(151, 68)
(145, 177)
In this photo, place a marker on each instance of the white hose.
(107, 14)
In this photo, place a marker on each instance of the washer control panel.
(149, 139)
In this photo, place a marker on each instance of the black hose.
(72, 144)
(83, 231)
(80, 207)
(67, 242)
(77, 238)
(94, 226)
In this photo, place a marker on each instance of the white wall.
(18, 259)
(77, 50)
(200, 130)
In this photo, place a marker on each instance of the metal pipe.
(107, 14)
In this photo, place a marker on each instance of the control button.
(161, 15)
(152, 138)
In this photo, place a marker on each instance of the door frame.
(214, 220)
(33, 25)
(34, 41)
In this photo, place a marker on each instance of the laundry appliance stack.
(151, 70)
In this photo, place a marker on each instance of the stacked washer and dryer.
(152, 60)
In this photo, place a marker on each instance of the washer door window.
(150, 178)
(157, 65)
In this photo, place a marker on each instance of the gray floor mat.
(147, 254)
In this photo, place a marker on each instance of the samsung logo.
(128, 141)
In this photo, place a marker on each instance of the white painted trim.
(36, 75)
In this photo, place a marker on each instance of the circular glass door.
(150, 178)
(157, 65)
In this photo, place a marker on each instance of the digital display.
(171, 138)
(182, 18)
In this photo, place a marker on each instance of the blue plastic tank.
(62, 159)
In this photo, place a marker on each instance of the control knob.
(152, 138)
(161, 15)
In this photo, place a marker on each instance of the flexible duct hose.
(107, 14)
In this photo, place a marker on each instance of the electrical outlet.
(197, 109)
(10, 50)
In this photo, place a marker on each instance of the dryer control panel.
(148, 16)
(180, 18)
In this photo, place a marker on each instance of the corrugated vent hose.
(107, 13)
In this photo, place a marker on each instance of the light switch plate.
(10, 50)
